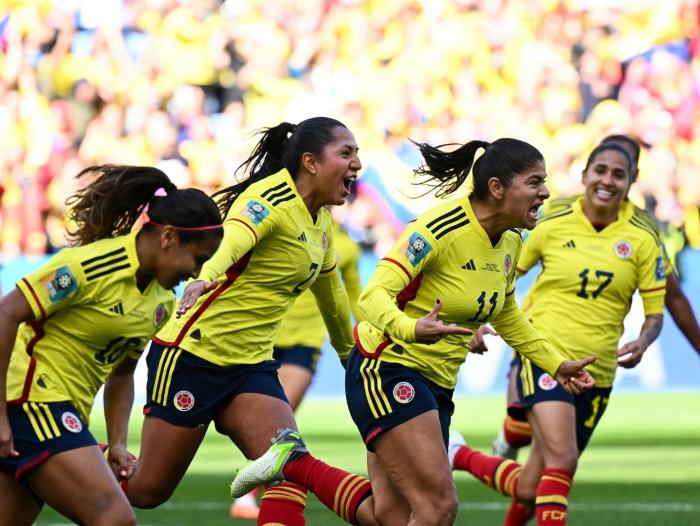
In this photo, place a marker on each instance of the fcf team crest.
(159, 315)
(404, 392)
(507, 264)
(71, 422)
(183, 401)
(546, 382)
(623, 249)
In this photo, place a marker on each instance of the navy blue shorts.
(301, 355)
(188, 391)
(42, 429)
(535, 386)
(382, 395)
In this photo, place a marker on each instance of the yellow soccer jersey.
(445, 254)
(89, 315)
(303, 324)
(272, 251)
(582, 295)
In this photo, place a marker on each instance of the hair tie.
(160, 192)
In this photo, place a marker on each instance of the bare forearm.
(651, 328)
(119, 399)
(682, 313)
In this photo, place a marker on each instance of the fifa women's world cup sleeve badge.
(60, 284)
(417, 248)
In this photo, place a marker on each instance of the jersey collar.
(626, 211)
(485, 239)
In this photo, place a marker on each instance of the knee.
(566, 461)
(147, 499)
(438, 511)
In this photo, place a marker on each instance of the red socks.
(283, 504)
(552, 499)
(497, 472)
(518, 514)
(518, 434)
(340, 491)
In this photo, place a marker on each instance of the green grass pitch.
(641, 468)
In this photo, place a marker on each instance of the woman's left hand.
(572, 376)
(121, 461)
(632, 352)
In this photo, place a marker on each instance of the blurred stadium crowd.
(181, 84)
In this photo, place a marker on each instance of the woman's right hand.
(192, 293)
(7, 446)
(430, 330)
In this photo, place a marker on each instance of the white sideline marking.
(585, 506)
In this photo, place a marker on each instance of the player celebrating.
(82, 320)
(452, 270)
(298, 346)
(214, 361)
(516, 434)
(596, 251)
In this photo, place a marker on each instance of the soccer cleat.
(268, 468)
(501, 448)
(455, 441)
(245, 507)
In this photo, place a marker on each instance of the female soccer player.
(596, 251)
(213, 362)
(299, 342)
(81, 321)
(516, 434)
(452, 270)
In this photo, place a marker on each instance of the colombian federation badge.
(623, 249)
(546, 382)
(71, 422)
(404, 392)
(159, 315)
(507, 264)
(183, 401)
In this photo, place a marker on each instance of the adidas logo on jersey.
(117, 309)
(569, 244)
(302, 237)
(469, 265)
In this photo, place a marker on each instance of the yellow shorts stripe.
(526, 377)
(369, 388)
(35, 424)
(169, 375)
(164, 357)
(381, 391)
(43, 422)
(51, 420)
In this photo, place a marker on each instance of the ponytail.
(502, 159)
(111, 204)
(279, 147)
(446, 171)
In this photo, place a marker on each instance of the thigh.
(414, 458)
(162, 463)
(390, 506)
(80, 485)
(295, 380)
(554, 427)
(19, 507)
(252, 419)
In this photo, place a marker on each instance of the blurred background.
(183, 84)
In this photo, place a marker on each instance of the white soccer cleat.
(454, 442)
(268, 468)
(501, 448)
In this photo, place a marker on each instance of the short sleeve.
(56, 285)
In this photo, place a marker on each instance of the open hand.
(630, 354)
(192, 293)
